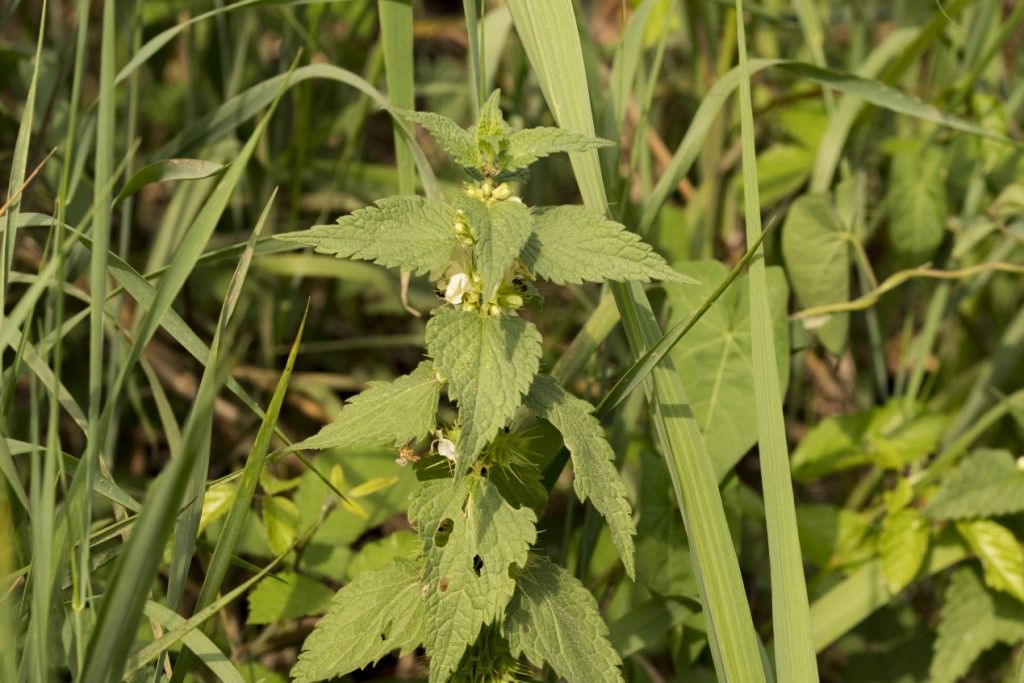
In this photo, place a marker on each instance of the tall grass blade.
(551, 40)
(794, 654)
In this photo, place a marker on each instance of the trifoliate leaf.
(572, 244)
(715, 359)
(415, 234)
(500, 229)
(986, 484)
(470, 546)
(973, 620)
(488, 362)
(593, 460)
(377, 613)
(453, 139)
(554, 619)
(281, 519)
(1001, 554)
(526, 146)
(286, 596)
(902, 548)
(385, 414)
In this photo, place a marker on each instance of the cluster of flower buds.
(462, 232)
(488, 192)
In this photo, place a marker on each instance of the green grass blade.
(794, 654)
(166, 170)
(396, 38)
(549, 35)
(196, 641)
(187, 525)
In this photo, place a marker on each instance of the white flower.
(445, 447)
(457, 287)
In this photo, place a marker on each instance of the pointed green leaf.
(488, 362)
(526, 146)
(573, 244)
(715, 360)
(973, 620)
(553, 618)
(816, 249)
(415, 234)
(471, 544)
(1001, 554)
(385, 414)
(986, 484)
(453, 139)
(379, 612)
(902, 548)
(491, 133)
(500, 228)
(593, 460)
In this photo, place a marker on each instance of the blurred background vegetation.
(899, 407)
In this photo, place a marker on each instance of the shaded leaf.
(287, 596)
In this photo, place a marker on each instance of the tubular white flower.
(445, 447)
(457, 287)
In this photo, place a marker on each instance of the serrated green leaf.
(816, 249)
(573, 244)
(715, 360)
(917, 201)
(380, 553)
(488, 362)
(491, 133)
(553, 618)
(471, 544)
(281, 519)
(453, 138)
(902, 548)
(986, 484)
(385, 414)
(527, 146)
(377, 613)
(500, 228)
(973, 620)
(1001, 554)
(415, 234)
(593, 460)
(286, 596)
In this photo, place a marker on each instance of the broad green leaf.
(973, 620)
(832, 536)
(714, 359)
(648, 626)
(415, 234)
(281, 519)
(287, 596)
(216, 503)
(380, 553)
(459, 143)
(1001, 554)
(384, 414)
(816, 247)
(527, 146)
(664, 564)
(781, 170)
(475, 538)
(888, 436)
(553, 618)
(488, 362)
(917, 201)
(593, 460)
(573, 244)
(500, 229)
(986, 484)
(902, 548)
(377, 613)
